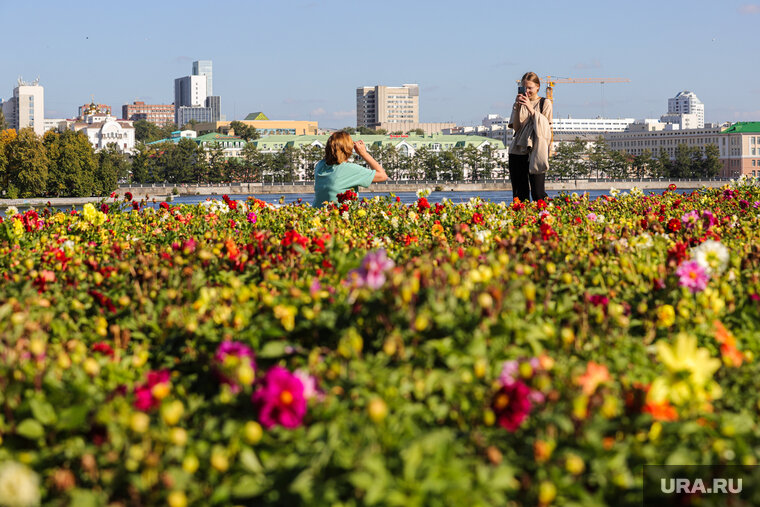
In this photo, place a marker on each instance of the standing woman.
(529, 152)
(334, 175)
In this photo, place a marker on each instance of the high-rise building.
(190, 91)
(26, 108)
(376, 105)
(160, 114)
(686, 102)
(193, 98)
(204, 68)
(215, 103)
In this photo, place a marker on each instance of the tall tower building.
(26, 108)
(204, 68)
(387, 104)
(686, 102)
(190, 91)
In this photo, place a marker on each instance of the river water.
(406, 197)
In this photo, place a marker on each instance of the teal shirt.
(331, 180)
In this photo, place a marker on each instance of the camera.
(521, 90)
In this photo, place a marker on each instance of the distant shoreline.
(163, 192)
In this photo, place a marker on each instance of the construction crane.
(551, 81)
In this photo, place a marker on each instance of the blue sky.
(304, 59)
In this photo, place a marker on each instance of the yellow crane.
(552, 80)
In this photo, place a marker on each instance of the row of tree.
(57, 165)
(579, 160)
(62, 165)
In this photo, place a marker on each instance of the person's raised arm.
(373, 164)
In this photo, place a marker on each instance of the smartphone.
(521, 90)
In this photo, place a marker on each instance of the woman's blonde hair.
(339, 147)
(531, 76)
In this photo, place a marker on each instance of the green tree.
(664, 165)
(253, 162)
(568, 160)
(417, 131)
(600, 162)
(72, 164)
(216, 162)
(143, 164)
(350, 130)
(249, 133)
(27, 165)
(311, 155)
(112, 166)
(177, 163)
(148, 132)
(681, 166)
(452, 164)
(3, 123)
(643, 164)
(6, 137)
(620, 164)
(711, 165)
(471, 157)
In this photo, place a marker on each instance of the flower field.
(372, 353)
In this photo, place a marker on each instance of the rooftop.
(744, 127)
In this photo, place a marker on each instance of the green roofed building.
(232, 146)
(470, 150)
(257, 116)
(740, 150)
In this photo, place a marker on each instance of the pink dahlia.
(280, 399)
(147, 397)
(372, 271)
(693, 276)
(512, 404)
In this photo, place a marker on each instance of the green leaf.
(250, 461)
(248, 486)
(43, 411)
(273, 349)
(85, 498)
(72, 417)
(31, 429)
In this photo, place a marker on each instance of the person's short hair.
(531, 76)
(339, 147)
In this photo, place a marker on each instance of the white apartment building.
(104, 129)
(590, 125)
(26, 108)
(54, 123)
(686, 102)
(379, 104)
(656, 136)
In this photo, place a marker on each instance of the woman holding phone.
(529, 152)
(334, 175)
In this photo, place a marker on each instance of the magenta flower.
(690, 219)
(231, 358)
(511, 405)
(149, 395)
(693, 276)
(709, 218)
(252, 218)
(372, 271)
(280, 399)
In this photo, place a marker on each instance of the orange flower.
(732, 356)
(595, 375)
(662, 411)
(436, 230)
(232, 249)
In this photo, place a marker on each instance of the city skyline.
(304, 60)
